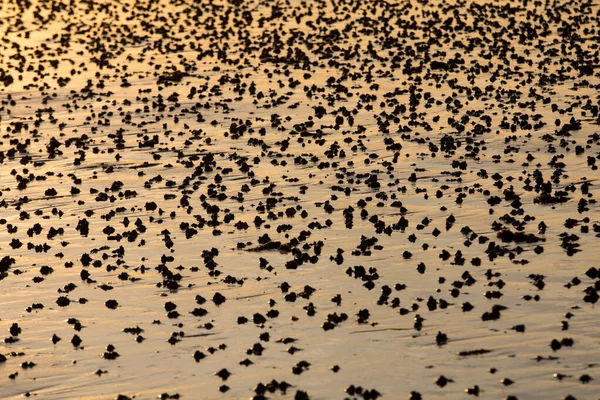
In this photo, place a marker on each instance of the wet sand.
(308, 200)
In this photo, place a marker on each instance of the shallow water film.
(320, 199)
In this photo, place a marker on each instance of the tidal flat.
(317, 199)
